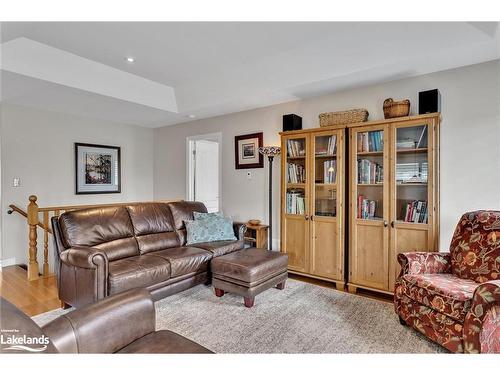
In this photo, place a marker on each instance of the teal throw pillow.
(215, 228)
(203, 215)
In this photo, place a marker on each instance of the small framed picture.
(97, 169)
(246, 151)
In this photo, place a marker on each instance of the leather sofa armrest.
(84, 257)
(486, 297)
(424, 262)
(105, 326)
(239, 230)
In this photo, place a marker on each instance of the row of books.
(296, 173)
(366, 208)
(295, 203)
(329, 171)
(295, 148)
(370, 141)
(370, 172)
(330, 148)
(416, 212)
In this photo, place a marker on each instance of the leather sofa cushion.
(153, 227)
(445, 293)
(218, 248)
(183, 260)
(164, 342)
(107, 228)
(183, 210)
(137, 271)
(251, 266)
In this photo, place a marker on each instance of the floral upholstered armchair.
(454, 298)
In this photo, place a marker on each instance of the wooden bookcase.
(312, 203)
(394, 166)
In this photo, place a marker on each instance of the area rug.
(302, 318)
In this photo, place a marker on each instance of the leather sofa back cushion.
(107, 228)
(182, 211)
(475, 246)
(153, 227)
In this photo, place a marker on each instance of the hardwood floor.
(39, 296)
(32, 297)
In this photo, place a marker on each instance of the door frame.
(217, 137)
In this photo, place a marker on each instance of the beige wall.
(470, 142)
(38, 147)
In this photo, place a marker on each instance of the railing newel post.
(33, 269)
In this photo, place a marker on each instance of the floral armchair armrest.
(424, 262)
(486, 301)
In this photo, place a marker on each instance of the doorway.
(203, 170)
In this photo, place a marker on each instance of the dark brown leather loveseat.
(105, 251)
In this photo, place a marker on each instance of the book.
(370, 172)
(366, 208)
(295, 203)
(296, 173)
(370, 141)
(415, 212)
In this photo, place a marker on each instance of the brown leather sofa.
(105, 251)
(102, 327)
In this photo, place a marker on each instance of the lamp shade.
(270, 150)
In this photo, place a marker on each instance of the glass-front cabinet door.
(412, 202)
(327, 179)
(369, 204)
(295, 178)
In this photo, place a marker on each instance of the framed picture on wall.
(246, 151)
(97, 169)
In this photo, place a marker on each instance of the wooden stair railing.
(33, 218)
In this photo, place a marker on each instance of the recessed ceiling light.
(191, 116)
(129, 59)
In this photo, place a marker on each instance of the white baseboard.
(7, 262)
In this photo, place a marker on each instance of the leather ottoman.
(249, 272)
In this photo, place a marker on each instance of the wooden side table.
(256, 235)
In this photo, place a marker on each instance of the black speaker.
(429, 101)
(292, 122)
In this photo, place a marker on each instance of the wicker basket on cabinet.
(344, 117)
(396, 109)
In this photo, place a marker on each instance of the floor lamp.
(270, 152)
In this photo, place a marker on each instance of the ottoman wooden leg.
(219, 292)
(281, 285)
(249, 301)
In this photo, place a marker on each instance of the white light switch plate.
(16, 182)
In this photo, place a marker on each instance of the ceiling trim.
(27, 57)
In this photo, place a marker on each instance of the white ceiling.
(217, 68)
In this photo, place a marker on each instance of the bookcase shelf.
(393, 177)
(325, 184)
(411, 184)
(370, 153)
(412, 150)
(313, 239)
(392, 216)
(325, 156)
